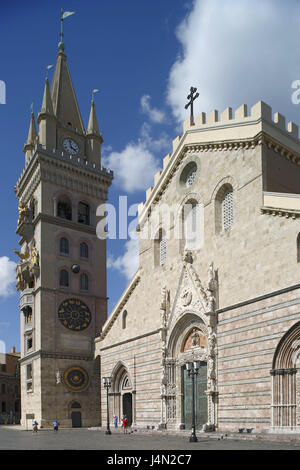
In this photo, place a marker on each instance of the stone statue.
(195, 338)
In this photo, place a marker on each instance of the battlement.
(260, 111)
(230, 126)
(75, 160)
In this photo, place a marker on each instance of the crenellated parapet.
(226, 131)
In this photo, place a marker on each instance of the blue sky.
(143, 56)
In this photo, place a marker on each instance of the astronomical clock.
(74, 314)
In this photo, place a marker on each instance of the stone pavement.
(16, 438)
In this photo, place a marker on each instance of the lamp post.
(192, 370)
(107, 385)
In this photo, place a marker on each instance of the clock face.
(76, 378)
(74, 314)
(71, 146)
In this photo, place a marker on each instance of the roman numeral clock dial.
(71, 146)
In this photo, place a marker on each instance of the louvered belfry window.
(227, 209)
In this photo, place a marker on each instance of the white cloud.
(154, 114)
(235, 52)
(135, 166)
(128, 263)
(7, 276)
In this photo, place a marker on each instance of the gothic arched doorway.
(194, 340)
(122, 395)
(190, 340)
(286, 380)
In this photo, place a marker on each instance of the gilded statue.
(35, 257)
(22, 212)
(22, 256)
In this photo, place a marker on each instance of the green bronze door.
(200, 397)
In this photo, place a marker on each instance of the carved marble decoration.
(199, 300)
(192, 296)
(187, 257)
(186, 297)
(195, 339)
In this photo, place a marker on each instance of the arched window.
(64, 246)
(83, 213)
(84, 282)
(224, 208)
(84, 250)
(27, 310)
(64, 208)
(227, 209)
(298, 248)
(64, 278)
(124, 319)
(160, 248)
(191, 225)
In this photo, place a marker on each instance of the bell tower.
(61, 274)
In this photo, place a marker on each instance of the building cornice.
(57, 160)
(56, 355)
(280, 212)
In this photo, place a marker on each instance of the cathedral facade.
(217, 288)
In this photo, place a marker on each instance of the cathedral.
(211, 320)
(207, 332)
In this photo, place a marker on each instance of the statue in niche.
(35, 257)
(195, 339)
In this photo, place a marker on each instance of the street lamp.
(107, 384)
(192, 370)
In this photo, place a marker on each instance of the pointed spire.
(47, 107)
(32, 134)
(31, 139)
(65, 105)
(93, 128)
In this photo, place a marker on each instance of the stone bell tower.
(61, 274)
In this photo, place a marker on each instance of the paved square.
(15, 438)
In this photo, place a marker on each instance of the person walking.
(34, 425)
(55, 425)
(125, 423)
(115, 421)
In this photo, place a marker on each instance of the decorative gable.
(192, 296)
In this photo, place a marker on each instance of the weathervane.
(63, 16)
(94, 91)
(47, 69)
(192, 98)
